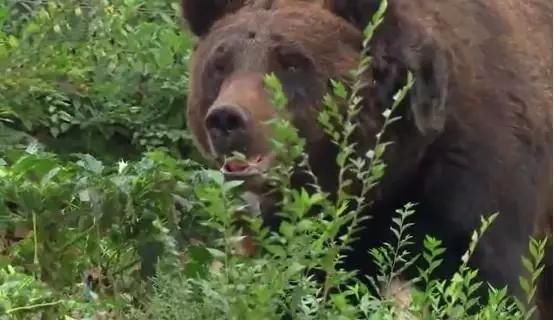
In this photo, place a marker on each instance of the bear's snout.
(227, 128)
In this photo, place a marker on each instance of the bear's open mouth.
(246, 167)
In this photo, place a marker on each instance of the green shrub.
(102, 77)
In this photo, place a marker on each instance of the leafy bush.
(80, 222)
(100, 77)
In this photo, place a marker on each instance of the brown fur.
(476, 133)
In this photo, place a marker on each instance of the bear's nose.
(227, 125)
(225, 120)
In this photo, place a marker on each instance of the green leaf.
(524, 284)
(49, 176)
(533, 249)
(84, 195)
(200, 254)
(294, 268)
(286, 229)
(215, 176)
(90, 163)
(276, 250)
(527, 264)
(218, 254)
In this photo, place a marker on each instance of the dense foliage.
(102, 77)
(99, 181)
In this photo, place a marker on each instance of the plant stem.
(34, 306)
(35, 240)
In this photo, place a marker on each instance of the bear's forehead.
(289, 24)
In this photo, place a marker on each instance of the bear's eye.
(292, 61)
(221, 60)
(219, 66)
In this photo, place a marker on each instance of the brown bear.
(475, 135)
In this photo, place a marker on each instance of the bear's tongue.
(241, 166)
(236, 165)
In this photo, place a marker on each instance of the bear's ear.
(417, 52)
(357, 12)
(429, 66)
(201, 14)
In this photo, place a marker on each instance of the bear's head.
(306, 44)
